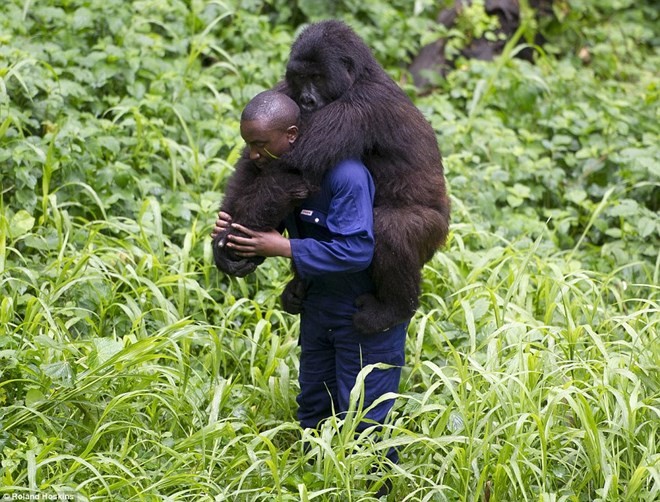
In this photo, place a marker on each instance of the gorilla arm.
(333, 133)
(258, 199)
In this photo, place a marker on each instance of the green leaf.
(106, 348)
(60, 372)
(4, 127)
(21, 223)
(33, 396)
(576, 196)
(514, 201)
(646, 226)
(626, 207)
(83, 18)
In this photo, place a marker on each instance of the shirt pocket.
(313, 217)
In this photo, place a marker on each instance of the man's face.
(266, 142)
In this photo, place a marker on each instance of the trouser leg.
(317, 378)
(354, 352)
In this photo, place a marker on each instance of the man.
(331, 244)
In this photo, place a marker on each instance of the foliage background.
(131, 370)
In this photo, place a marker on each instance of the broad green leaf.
(21, 223)
(60, 372)
(646, 226)
(625, 207)
(83, 18)
(514, 201)
(576, 196)
(106, 348)
(33, 396)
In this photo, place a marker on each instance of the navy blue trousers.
(332, 355)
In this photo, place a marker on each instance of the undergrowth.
(130, 369)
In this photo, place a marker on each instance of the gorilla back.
(352, 108)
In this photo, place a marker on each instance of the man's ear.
(292, 134)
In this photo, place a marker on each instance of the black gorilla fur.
(258, 199)
(353, 109)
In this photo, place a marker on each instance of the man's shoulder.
(349, 171)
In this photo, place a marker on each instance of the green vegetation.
(130, 369)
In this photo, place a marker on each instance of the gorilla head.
(326, 59)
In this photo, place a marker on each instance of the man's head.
(269, 126)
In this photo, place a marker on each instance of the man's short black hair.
(278, 109)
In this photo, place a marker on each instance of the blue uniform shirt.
(332, 239)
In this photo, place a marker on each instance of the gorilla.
(351, 108)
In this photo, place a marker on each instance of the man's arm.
(269, 243)
(349, 221)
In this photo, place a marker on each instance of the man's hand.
(270, 243)
(225, 259)
(222, 224)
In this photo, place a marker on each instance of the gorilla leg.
(396, 298)
(405, 239)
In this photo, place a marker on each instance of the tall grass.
(528, 379)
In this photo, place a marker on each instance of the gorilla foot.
(374, 316)
(293, 296)
(239, 268)
(230, 263)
